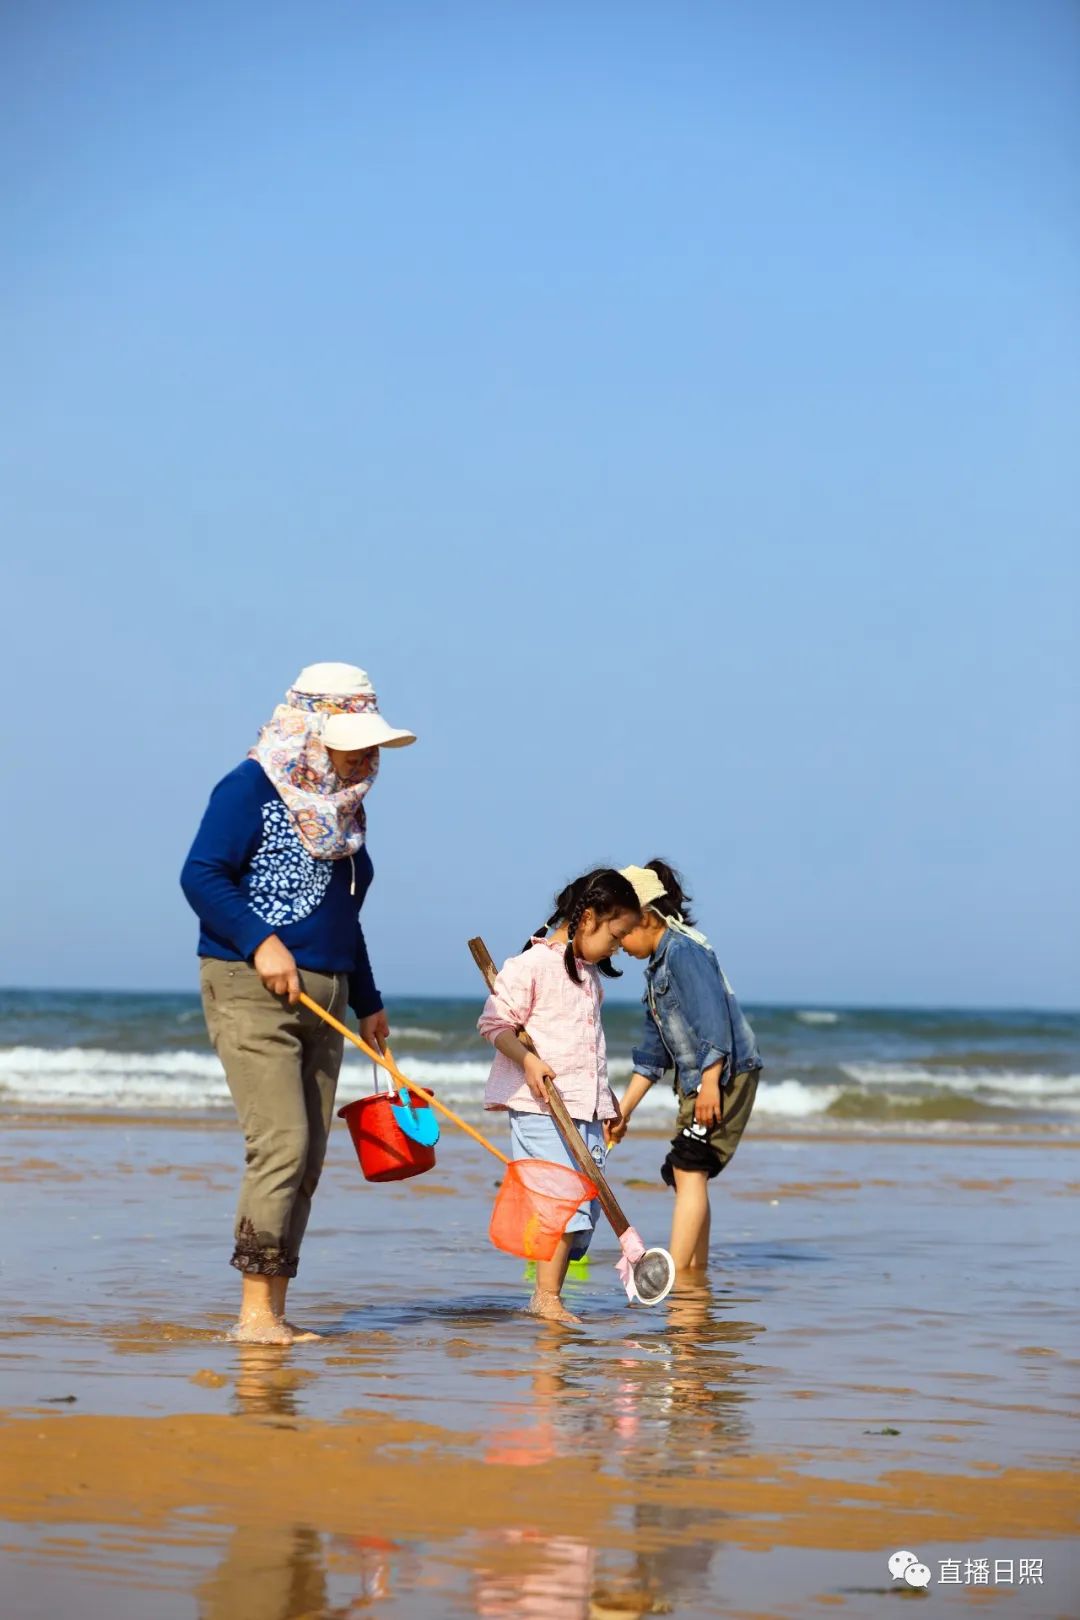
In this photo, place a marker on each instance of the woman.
(277, 876)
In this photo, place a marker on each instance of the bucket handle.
(391, 1089)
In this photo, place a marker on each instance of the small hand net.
(533, 1205)
(654, 1276)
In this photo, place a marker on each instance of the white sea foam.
(1001, 1086)
(791, 1099)
(44, 1060)
(182, 1081)
(87, 1077)
(809, 1016)
(460, 1077)
(465, 1074)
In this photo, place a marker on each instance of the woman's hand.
(536, 1072)
(276, 967)
(707, 1107)
(375, 1030)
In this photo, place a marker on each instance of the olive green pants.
(282, 1065)
(710, 1148)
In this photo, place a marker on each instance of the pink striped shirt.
(563, 1018)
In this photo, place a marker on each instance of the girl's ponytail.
(543, 928)
(573, 923)
(674, 902)
(565, 901)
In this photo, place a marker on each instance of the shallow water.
(439, 1453)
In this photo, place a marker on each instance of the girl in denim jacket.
(693, 1025)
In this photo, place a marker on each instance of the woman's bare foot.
(261, 1327)
(302, 1335)
(550, 1307)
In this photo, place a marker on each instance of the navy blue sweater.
(248, 876)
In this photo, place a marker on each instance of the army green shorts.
(709, 1148)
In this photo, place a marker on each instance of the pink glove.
(632, 1247)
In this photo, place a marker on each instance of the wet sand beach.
(885, 1358)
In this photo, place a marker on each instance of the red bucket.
(384, 1150)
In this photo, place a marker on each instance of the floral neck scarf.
(329, 814)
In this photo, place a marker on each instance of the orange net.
(533, 1205)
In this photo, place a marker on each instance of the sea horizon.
(611, 997)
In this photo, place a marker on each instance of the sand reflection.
(657, 1414)
(303, 1574)
(267, 1577)
(268, 1384)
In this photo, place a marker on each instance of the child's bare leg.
(550, 1276)
(700, 1258)
(279, 1287)
(259, 1322)
(691, 1217)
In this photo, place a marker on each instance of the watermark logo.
(907, 1566)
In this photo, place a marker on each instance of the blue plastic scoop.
(418, 1124)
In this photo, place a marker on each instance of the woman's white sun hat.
(349, 702)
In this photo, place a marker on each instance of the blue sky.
(674, 407)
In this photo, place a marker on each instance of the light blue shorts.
(536, 1136)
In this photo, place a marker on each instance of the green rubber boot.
(578, 1269)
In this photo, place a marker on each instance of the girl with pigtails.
(554, 988)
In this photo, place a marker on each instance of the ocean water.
(850, 1069)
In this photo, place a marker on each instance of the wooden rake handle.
(567, 1129)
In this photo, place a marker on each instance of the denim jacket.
(692, 1019)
